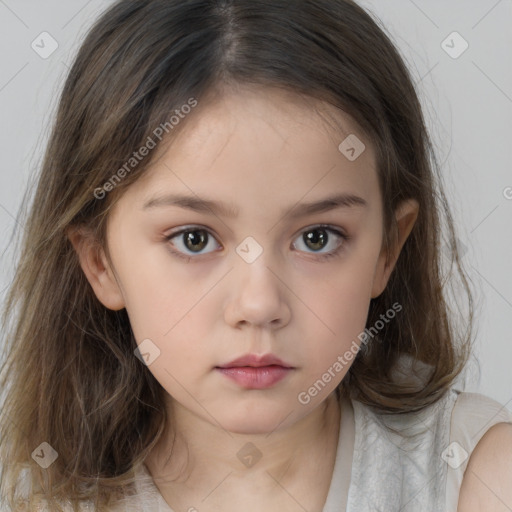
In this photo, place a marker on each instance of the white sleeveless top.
(418, 469)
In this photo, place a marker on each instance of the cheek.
(338, 311)
(336, 328)
(169, 304)
(341, 302)
(159, 292)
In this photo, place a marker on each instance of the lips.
(256, 372)
(255, 361)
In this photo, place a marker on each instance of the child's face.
(263, 155)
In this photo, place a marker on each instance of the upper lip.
(256, 361)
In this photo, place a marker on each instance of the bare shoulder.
(487, 482)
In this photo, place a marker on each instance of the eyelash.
(320, 256)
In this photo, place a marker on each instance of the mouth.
(256, 361)
(256, 372)
(262, 377)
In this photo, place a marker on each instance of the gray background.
(468, 106)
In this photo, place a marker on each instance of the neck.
(202, 451)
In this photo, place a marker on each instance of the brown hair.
(70, 375)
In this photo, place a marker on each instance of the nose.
(258, 296)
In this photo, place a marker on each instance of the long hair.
(69, 374)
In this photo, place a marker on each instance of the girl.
(230, 292)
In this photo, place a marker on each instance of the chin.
(249, 428)
(256, 422)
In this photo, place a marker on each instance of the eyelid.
(191, 227)
(328, 227)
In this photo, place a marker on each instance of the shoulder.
(487, 481)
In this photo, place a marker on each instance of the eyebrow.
(198, 204)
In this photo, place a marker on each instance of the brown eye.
(196, 241)
(192, 241)
(316, 239)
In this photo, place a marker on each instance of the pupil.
(315, 239)
(195, 240)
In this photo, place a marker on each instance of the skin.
(262, 151)
(486, 483)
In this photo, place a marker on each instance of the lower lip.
(262, 377)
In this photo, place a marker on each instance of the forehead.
(261, 144)
(270, 116)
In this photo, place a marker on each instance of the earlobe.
(406, 215)
(96, 268)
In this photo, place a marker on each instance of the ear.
(96, 268)
(406, 215)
